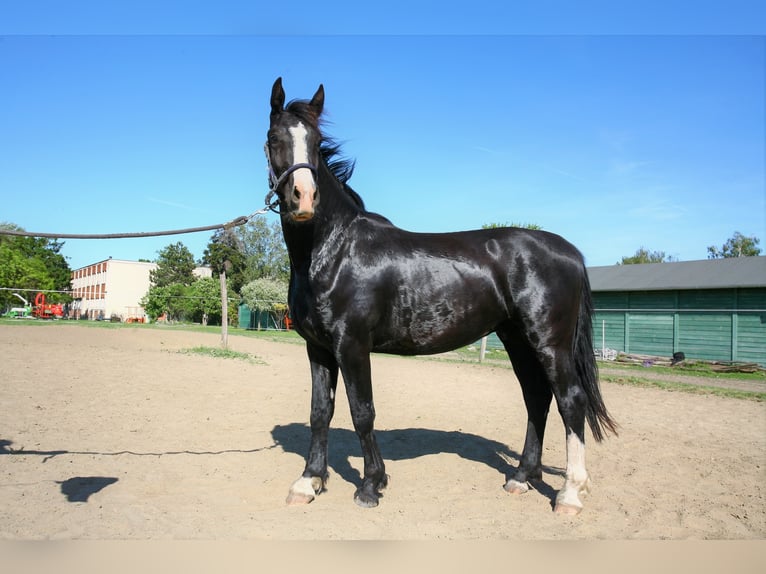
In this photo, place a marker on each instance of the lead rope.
(236, 222)
(274, 184)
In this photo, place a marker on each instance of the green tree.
(169, 300)
(643, 255)
(263, 247)
(32, 263)
(224, 252)
(736, 246)
(175, 264)
(204, 301)
(267, 295)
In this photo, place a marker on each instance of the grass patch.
(638, 375)
(688, 368)
(218, 353)
(276, 336)
(273, 336)
(684, 387)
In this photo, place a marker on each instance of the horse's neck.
(300, 244)
(335, 212)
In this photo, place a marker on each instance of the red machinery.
(41, 310)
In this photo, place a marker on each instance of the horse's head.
(293, 152)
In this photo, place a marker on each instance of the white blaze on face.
(303, 178)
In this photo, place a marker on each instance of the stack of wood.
(645, 360)
(736, 367)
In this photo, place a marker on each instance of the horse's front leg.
(324, 380)
(355, 365)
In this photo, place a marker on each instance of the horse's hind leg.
(572, 403)
(324, 380)
(543, 374)
(537, 399)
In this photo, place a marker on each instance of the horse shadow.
(407, 444)
(80, 488)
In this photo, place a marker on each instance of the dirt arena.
(113, 434)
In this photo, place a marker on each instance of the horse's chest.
(310, 313)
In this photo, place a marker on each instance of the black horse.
(359, 284)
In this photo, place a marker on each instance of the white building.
(114, 287)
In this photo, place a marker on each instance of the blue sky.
(617, 132)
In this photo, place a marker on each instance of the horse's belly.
(438, 330)
(430, 347)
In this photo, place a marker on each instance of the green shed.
(257, 319)
(712, 309)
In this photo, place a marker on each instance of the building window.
(103, 290)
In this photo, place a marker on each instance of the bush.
(265, 295)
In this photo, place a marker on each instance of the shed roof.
(732, 272)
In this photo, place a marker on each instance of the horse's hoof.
(567, 509)
(298, 498)
(305, 489)
(516, 487)
(366, 500)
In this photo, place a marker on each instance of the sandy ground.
(113, 434)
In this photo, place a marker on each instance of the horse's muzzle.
(301, 216)
(304, 195)
(301, 206)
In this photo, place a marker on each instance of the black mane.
(342, 168)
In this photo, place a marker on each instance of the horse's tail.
(599, 419)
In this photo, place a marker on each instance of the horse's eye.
(273, 139)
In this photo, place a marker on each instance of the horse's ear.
(317, 102)
(277, 97)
